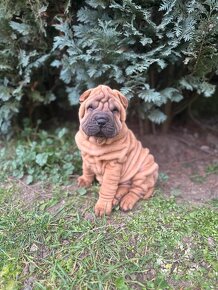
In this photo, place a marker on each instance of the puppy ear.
(85, 95)
(122, 99)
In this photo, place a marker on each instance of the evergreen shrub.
(160, 54)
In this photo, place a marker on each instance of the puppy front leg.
(87, 178)
(108, 189)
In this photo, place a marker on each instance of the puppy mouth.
(100, 134)
(100, 125)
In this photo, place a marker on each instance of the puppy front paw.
(82, 181)
(103, 207)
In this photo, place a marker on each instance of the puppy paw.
(128, 201)
(103, 207)
(121, 192)
(84, 182)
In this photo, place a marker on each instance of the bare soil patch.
(188, 163)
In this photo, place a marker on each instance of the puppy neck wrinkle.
(101, 140)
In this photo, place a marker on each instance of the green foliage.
(25, 50)
(153, 51)
(213, 168)
(41, 156)
(136, 48)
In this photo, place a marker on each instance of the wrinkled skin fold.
(110, 152)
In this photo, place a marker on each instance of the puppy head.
(102, 112)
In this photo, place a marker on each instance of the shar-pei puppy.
(110, 152)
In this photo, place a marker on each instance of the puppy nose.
(101, 121)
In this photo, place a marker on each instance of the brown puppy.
(111, 153)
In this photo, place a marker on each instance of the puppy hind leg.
(138, 190)
(129, 200)
(121, 192)
(151, 180)
(149, 193)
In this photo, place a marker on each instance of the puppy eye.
(115, 110)
(90, 107)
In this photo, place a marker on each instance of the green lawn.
(50, 238)
(55, 242)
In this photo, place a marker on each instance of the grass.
(50, 238)
(57, 243)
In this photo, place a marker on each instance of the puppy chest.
(97, 166)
